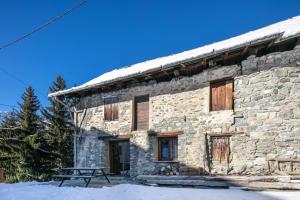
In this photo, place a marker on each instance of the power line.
(39, 28)
(13, 76)
(19, 80)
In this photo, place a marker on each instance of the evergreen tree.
(60, 128)
(9, 152)
(28, 116)
(35, 153)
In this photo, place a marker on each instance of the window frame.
(114, 101)
(159, 149)
(224, 83)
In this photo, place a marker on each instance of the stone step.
(190, 183)
(248, 182)
(222, 178)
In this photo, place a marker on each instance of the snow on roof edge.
(288, 28)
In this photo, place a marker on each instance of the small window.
(220, 149)
(111, 111)
(221, 95)
(167, 149)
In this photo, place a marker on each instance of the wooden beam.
(271, 43)
(211, 63)
(204, 62)
(253, 51)
(165, 72)
(297, 45)
(246, 49)
(148, 77)
(134, 79)
(170, 134)
(226, 55)
(183, 65)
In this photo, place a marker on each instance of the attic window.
(111, 111)
(221, 95)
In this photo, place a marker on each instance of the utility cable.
(39, 28)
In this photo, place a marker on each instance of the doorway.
(119, 151)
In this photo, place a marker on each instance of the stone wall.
(265, 121)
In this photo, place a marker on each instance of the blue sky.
(103, 35)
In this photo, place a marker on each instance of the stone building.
(232, 107)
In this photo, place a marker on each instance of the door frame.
(111, 155)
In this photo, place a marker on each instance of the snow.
(287, 28)
(46, 191)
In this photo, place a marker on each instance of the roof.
(286, 29)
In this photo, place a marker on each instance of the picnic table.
(81, 173)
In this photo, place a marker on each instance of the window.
(167, 148)
(141, 113)
(221, 95)
(111, 111)
(220, 149)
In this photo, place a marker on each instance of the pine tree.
(60, 126)
(36, 155)
(9, 153)
(28, 116)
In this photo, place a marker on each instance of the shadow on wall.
(93, 151)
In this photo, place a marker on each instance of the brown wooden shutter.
(141, 112)
(221, 95)
(114, 108)
(111, 111)
(107, 108)
(229, 95)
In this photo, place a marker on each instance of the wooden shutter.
(107, 109)
(114, 108)
(229, 95)
(141, 112)
(111, 111)
(220, 149)
(221, 95)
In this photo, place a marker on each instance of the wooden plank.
(141, 113)
(170, 134)
(213, 98)
(220, 149)
(229, 95)
(111, 111)
(115, 111)
(223, 133)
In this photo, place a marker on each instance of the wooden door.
(119, 157)
(220, 149)
(141, 113)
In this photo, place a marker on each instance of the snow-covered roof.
(288, 28)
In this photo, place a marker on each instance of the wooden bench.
(77, 173)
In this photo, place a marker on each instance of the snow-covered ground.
(44, 191)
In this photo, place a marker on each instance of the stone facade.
(265, 122)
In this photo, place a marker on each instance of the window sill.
(220, 111)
